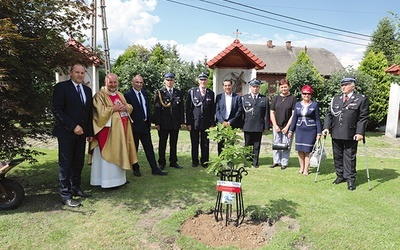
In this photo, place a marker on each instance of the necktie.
(78, 87)
(346, 98)
(170, 92)
(203, 92)
(141, 105)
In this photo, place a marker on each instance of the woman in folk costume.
(307, 125)
(112, 151)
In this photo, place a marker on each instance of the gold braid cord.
(162, 102)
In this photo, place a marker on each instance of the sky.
(203, 28)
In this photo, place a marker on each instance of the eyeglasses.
(169, 80)
(306, 93)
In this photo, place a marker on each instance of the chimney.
(288, 45)
(269, 44)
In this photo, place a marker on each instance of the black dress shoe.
(195, 165)
(137, 173)
(81, 194)
(72, 203)
(338, 180)
(255, 166)
(136, 170)
(158, 172)
(176, 166)
(161, 167)
(283, 167)
(351, 185)
(274, 165)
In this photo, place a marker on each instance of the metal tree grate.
(234, 176)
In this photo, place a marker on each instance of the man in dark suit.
(200, 112)
(346, 121)
(73, 111)
(168, 118)
(256, 118)
(139, 99)
(228, 109)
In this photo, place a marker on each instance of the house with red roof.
(88, 58)
(235, 62)
(267, 62)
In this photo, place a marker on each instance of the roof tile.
(394, 69)
(84, 50)
(247, 55)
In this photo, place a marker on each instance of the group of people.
(249, 112)
(345, 120)
(113, 123)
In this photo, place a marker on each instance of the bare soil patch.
(248, 235)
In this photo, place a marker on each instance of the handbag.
(281, 146)
(317, 154)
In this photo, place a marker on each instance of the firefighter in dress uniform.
(168, 119)
(256, 118)
(346, 121)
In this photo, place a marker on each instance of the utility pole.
(94, 23)
(105, 36)
(95, 84)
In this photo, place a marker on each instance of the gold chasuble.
(113, 131)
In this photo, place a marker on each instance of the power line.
(325, 10)
(265, 24)
(296, 19)
(275, 19)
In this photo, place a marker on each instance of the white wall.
(393, 121)
(222, 74)
(90, 81)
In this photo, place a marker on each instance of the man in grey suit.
(256, 118)
(346, 121)
(228, 109)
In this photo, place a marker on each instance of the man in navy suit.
(256, 118)
(346, 121)
(169, 117)
(228, 109)
(73, 111)
(139, 99)
(200, 111)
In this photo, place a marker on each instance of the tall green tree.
(385, 39)
(32, 46)
(303, 72)
(134, 51)
(396, 21)
(374, 64)
(153, 64)
(364, 85)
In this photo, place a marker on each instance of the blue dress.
(306, 124)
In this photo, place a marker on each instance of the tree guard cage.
(230, 175)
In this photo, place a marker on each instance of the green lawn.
(147, 212)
